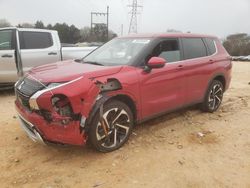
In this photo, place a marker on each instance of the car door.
(8, 70)
(199, 64)
(37, 48)
(163, 89)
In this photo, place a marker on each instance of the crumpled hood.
(64, 71)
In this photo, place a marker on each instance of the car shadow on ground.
(7, 92)
(142, 129)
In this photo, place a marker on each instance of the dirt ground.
(187, 148)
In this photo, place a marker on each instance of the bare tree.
(4, 23)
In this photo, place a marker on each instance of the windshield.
(120, 51)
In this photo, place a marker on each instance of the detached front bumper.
(30, 129)
(39, 130)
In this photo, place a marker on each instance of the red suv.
(126, 81)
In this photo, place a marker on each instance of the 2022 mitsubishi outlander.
(124, 82)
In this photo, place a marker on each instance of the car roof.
(170, 35)
(28, 29)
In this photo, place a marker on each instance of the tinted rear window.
(210, 45)
(35, 40)
(194, 48)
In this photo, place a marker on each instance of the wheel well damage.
(112, 84)
(100, 93)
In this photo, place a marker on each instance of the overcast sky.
(217, 17)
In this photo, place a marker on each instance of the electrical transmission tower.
(133, 20)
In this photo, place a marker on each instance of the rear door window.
(193, 48)
(35, 40)
(168, 50)
(210, 45)
(6, 40)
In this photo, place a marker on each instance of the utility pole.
(95, 23)
(134, 12)
(107, 23)
(122, 30)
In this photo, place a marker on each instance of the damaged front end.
(54, 112)
(61, 112)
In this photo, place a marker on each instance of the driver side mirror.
(155, 63)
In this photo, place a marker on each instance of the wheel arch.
(217, 77)
(128, 101)
(106, 98)
(220, 77)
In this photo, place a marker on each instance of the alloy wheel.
(113, 128)
(215, 96)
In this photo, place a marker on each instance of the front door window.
(168, 50)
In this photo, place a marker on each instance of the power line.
(133, 19)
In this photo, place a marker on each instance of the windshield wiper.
(78, 60)
(93, 63)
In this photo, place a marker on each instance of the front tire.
(111, 129)
(213, 97)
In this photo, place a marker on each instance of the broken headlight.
(32, 101)
(61, 105)
(33, 104)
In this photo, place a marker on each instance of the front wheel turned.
(112, 127)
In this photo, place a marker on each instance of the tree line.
(70, 33)
(238, 44)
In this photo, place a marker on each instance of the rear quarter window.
(193, 48)
(35, 40)
(210, 45)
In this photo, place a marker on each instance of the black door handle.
(180, 67)
(7, 56)
(211, 61)
(52, 53)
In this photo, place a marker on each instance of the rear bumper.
(39, 130)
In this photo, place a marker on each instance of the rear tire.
(213, 97)
(112, 130)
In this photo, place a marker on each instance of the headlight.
(61, 105)
(52, 85)
(32, 101)
(33, 104)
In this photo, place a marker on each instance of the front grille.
(28, 87)
(25, 88)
